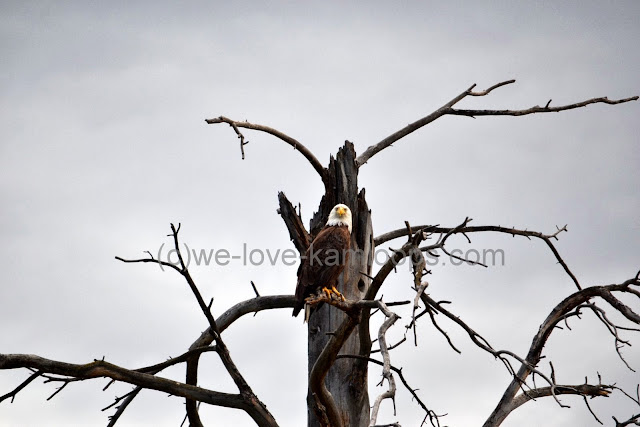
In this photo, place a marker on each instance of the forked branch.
(430, 414)
(286, 138)
(464, 230)
(245, 390)
(597, 390)
(558, 314)
(447, 109)
(100, 368)
(321, 398)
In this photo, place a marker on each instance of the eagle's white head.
(340, 215)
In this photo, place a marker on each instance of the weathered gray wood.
(346, 380)
(298, 234)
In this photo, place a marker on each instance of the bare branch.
(559, 313)
(12, 394)
(113, 419)
(245, 390)
(611, 327)
(468, 261)
(538, 109)
(580, 390)
(400, 232)
(386, 369)
(433, 417)
(100, 368)
(151, 259)
(391, 347)
(447, 109)
(547, 238)
(120, 398)
(487, 91)
(154, 369)
(286, 138)
(407, 249)
(252, 305)
(386, 142)
(319, 396)
(183, 270)
(633, 420)
(416, 304)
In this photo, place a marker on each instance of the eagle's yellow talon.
(327, 291)
(338, 293)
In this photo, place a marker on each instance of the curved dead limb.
(100, 368)
(386, 368)
(447, 109)
(252, 305)
(580, 390)
(286, 138)
(320, 397)
(547, 238)
(561, 312)
(400, 232)
(613, 329)
(374, 149)
(558, 314)
(126, 399)
(529, 363)
(225, 357)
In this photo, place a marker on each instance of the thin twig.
(12, 394)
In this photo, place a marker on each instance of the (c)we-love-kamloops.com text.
(248, 256)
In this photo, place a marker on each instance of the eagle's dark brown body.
(324, 260)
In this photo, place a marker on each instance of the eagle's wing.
(323, 262)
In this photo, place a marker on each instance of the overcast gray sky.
(103, 144)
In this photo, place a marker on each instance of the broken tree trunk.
(346, 380)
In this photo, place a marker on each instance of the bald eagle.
(325, 259)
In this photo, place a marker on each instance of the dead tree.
(339, 336)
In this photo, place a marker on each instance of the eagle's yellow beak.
(341, 211)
